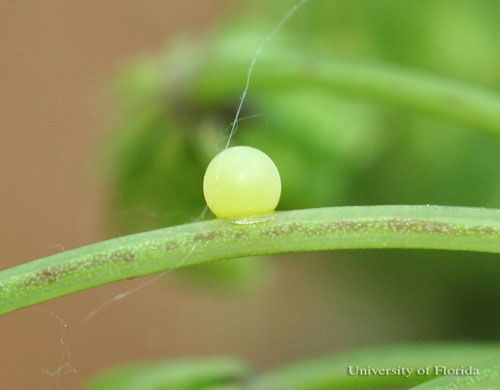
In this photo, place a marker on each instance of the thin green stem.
(287, 68)
(433, 227)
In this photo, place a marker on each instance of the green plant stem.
(287, 68)
(140, 254)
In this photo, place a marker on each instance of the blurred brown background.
(55, 62)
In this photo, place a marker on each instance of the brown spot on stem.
(284, 229)
(400, 226)
(488, 230)
(119, 255)
(207, 236)
(171, 246)
(351, 226)
(49, 275)
(125, 255)
(240, 234)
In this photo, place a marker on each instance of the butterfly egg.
(241, 182)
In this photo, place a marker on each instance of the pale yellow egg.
(240, 182)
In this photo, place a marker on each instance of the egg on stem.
(241, 181)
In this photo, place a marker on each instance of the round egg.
(241, 181)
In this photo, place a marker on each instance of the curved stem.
(140, 254)
(286, 68)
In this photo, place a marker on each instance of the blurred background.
(105, 130)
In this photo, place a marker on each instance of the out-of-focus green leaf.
(332, 372)
(323, 136)
(171, 375)
(487, 377)
(330, 148)
(245, 275)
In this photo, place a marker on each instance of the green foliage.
(331, 372)
(487, 379)
(318, 374)
(170, 375)
(332, 145)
